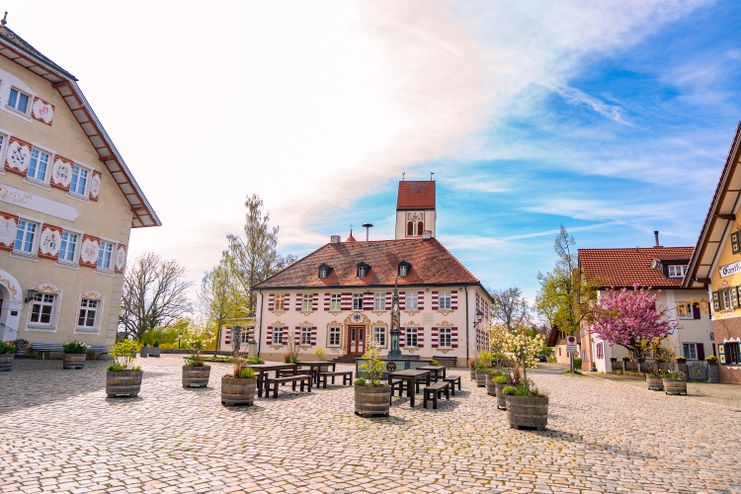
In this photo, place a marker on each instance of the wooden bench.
(46, 348)
(453, 380)
(97, 351)
(434, 391)
(346, 377)
(303, 379)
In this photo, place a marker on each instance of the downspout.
(259, 329)
(467, 329)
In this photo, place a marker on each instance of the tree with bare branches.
(510, 308)
(155, 294)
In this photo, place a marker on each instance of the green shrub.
(674, 376)
(435, 363)
(254, 359)
(361, 381)
(194, 361)
(525, 388)
(247, 373)
(500, 378)
(290, 359)
(372, 367)
(320, 353)
(75, 347)
(6, 347)
(116, 367)
(577, 363)
(123, 356)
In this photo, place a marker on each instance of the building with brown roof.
(660, 269)
(715, 265)
(339, 296)
(67, 205)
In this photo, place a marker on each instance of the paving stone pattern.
(59, 433)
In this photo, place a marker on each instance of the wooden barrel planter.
(491, 386)
(481, 377)
(675, 387)
(372, 401)
(501, 399)
(473, 374)
(527, 412)
(123, 383)
(6, 361)
(74, 360)
(655, 383)
(196, 376)
(237, 391)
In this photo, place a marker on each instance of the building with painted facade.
(339, 296)
(67, 204)
(662, 270)
(716, 265)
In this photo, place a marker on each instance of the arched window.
(420, 228)
(410, 229)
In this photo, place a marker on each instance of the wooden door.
(356, 341)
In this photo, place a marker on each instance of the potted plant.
(145, 351)
(372, 397)
(654, 381)
(483, 367)
(712, 369)
(75, 353)
(7, 354)
(501, 381)
(491, 388)
(195, 372)
(527, 408)
(155, 350)
(238, 389)
(675, 382)
(123, 378)
(472, 369)
(321, 354)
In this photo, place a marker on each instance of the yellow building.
(67, 204)
(716, 265)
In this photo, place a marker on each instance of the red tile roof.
(416, 195)
(631, 266)
(432, 264)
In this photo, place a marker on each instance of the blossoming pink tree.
(630, 318)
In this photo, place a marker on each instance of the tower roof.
(416, 195)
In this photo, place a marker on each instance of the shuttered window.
(735, 244)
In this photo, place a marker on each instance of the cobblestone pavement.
(59, 433)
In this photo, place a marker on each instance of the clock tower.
(415, 209)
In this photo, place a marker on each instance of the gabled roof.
(20, 51)
(721, 215)
(416, 195)
(432, 264)
(624, 267)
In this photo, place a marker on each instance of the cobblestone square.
(60, 434)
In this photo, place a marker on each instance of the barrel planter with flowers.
(654, 381)
(675, 383)
(123, 377)
(372, 396)
(7, 355)
(75, 353)
(527, 408)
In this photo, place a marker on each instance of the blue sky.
(612, 118)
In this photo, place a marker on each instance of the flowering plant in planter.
(123, 357)
(712, 360)
(240, 387)
(6, 347)
(7, 355)
(674, 376)
(371, 395)
(123, 377)
(75, 347)
(523, 388)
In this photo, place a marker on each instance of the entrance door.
(356, 341)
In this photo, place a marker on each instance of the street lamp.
(180, 335)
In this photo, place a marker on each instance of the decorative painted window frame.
(380, 325)
(376, 297)
(6, 101)
(76, 256)
(48, 288)
(34, 254)
(334, 325)
(335, 297)
(46, 183)
(440, 328)
(90, 295)
(85, 197)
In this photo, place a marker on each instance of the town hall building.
(339, 297)
(67, 204)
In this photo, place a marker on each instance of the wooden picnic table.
(412, 377)
(263, 369)
(316, 367)
(436, 371)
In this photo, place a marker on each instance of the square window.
(278, 336)
(335, 302)
(78, 182)
(307, 302)
(42, 308)
(68, 247)
(24, 237)
(410, 301)
(38, 165)
(379, 301)
(676, 270)
(411, 337)
(445, 336)
(334, 336)
(444, 301)
(18, 100)
(104, 256)
(690, 351)
(88, 313)
(280, 302)
(357, 301)
(379, 336)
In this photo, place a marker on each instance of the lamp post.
(395, 332)
(477, 320)
(180, 335)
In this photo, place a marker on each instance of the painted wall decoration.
(92, 294)
(8, 229)
(89, 251)
(50, 242)
(38, 203)
(95, 186)
(17, 157)
(42, 111)
(120, 261)
(61, 173)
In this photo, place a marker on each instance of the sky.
(611, 118)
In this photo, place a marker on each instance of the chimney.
(656, 237)
(427, 234)
(334, 239)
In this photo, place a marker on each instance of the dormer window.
(677, 270)
(324, 270)
(404, 268)
(363, 269)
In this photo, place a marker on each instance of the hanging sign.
(730, 269)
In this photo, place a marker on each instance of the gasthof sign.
(730, 269)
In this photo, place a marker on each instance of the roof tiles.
(416, 195)
(631, 266)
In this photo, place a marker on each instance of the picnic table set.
(308, 374)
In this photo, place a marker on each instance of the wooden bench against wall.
(446, 361)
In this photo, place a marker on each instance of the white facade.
(413, 224)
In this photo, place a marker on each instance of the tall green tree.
(222, 298)
(255, 257)
(565, 299)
